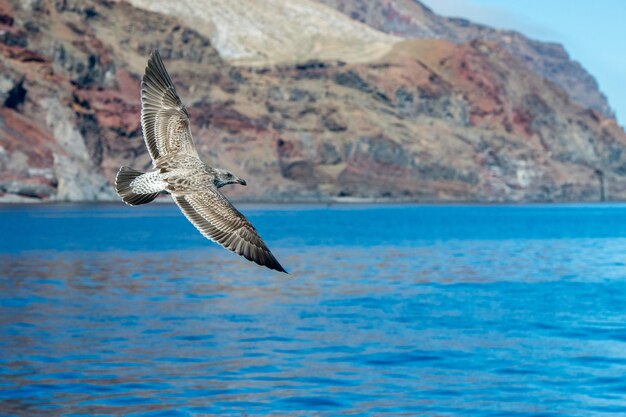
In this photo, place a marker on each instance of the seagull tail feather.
(124, 177)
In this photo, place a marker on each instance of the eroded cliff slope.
(418, 119)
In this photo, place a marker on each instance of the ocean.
(387, 311)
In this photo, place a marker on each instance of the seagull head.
(224, 177)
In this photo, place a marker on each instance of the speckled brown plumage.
(179, 171)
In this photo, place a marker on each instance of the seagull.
(178, 170)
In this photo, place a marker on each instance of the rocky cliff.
(411, 19)
(413, 119)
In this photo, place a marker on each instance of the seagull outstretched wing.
(216, 218)
(164, 119)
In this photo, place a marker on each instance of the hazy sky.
(593, 32)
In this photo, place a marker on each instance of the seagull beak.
(242, 182)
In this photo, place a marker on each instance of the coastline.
(330, 202)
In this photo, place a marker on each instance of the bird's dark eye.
(229, 175)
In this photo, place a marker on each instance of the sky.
(592, 32)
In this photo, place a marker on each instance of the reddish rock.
(432, 120)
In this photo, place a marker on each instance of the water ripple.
(389, 311)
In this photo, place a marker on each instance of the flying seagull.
(194, 185)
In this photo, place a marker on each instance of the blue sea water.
(388, 311)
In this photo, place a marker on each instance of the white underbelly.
(148, 183)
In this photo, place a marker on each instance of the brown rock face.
(412, 20)
(432, 120)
